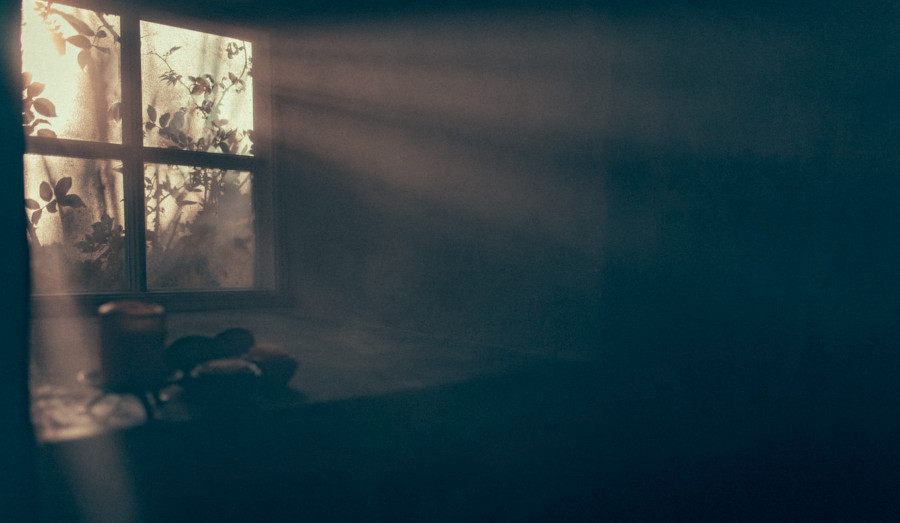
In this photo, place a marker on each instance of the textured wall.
(582, 177)
(445, 173)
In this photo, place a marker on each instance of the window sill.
(82, 305)
(338, 360)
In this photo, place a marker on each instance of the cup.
(132, 344)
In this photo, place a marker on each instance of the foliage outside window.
(142, 171)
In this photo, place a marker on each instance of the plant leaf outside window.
(197, 95)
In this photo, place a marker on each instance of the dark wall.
(681, 177)
(17, 498)
(443, 172)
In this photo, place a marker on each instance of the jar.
(132, 345)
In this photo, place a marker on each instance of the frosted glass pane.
(199, 228)
(75, 224)
(197, 90)
(70, 69)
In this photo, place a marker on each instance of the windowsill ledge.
(338, 360)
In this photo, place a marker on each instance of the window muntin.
(180, 173)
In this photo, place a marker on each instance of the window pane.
(197, 90)
(199, 228)
(70, 65)
(75, 215)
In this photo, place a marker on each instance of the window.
(146, 166)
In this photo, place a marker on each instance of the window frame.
(268, 287)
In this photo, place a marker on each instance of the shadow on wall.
(470, 173)
(443, 174)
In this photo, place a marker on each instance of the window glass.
(70, 64)
(75, 224)
(85, 179)
(200, 230)
(197, 90)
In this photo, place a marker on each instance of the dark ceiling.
(279, 12)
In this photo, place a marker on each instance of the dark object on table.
(232, 343)
(276, 364)
(224, 381)
(132, 342)
(187, 352)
